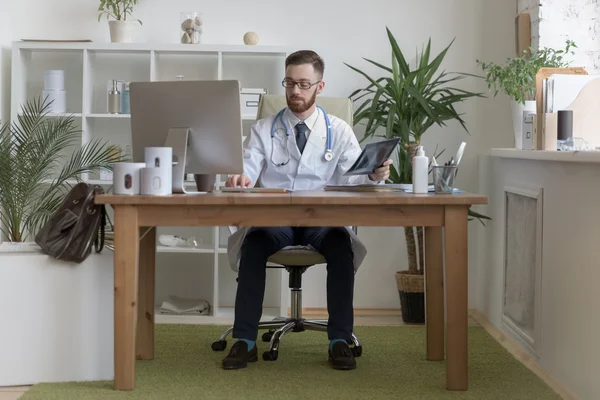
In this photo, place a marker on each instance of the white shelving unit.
(202, 272)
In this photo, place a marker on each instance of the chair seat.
(297, 257)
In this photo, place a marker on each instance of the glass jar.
(191, 27)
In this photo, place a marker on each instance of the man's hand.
(238, 181)
(382, 173)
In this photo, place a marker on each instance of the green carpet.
(392, 366)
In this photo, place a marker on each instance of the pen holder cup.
(443, 178)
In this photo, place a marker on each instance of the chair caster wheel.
(270, 355)
(266, 337)
(219, 345)
(357, 351)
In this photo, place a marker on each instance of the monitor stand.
(177, 139)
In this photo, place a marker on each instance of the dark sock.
(249, 342)
(334, 341)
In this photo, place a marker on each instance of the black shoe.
(239, 356)
(341, 356)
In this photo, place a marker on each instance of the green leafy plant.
(117, 9)
(34, 176)
(516, 77)
(405, 103)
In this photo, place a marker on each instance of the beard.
(302, 106)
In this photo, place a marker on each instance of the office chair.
(296, 260)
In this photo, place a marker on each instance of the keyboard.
(254, 190)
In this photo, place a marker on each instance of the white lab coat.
(306, 171)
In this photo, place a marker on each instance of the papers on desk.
(368, 187)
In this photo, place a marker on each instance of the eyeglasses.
(289, 84)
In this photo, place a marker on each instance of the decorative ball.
(251, 38)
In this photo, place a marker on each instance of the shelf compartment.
(103, 67)
(184, 275)
(255, 71)
(109, 116)
(167, 66)
(222, 316)
(204, 249)
(33, 64)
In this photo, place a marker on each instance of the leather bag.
(75, 226)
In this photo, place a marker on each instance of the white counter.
(543, 155)
(550, 200)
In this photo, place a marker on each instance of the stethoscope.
(328, 156)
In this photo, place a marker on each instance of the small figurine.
(191, 31)
(251, 38)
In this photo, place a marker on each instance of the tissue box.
(249, 99)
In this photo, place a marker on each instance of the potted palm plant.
(405, 103)
(32, 180)
(121, 28)
(68, 302)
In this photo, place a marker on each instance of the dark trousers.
(260, 243)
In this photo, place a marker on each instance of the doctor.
(293, 150)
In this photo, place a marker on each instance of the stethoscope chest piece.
(328, 155)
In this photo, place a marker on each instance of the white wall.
(555, 21)
(340, 33)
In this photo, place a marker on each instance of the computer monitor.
(200, 120)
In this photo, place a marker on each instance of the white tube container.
(57, 100)
(159, 157)
(127, 178)
(156, 181)
(54, 79)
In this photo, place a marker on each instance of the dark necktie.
(301, 136)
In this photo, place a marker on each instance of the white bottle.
(420, 171)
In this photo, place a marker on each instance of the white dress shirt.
(306, 171)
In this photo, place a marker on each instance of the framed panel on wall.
(521, 306)
(522, 33)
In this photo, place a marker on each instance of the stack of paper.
(181, 306)
(560, 90)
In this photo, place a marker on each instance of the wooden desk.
(134, 287)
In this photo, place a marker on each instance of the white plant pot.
(19, 248)
(121, 31)
(517, 118)
(57, 319)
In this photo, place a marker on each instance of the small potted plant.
(121, 28)
(516, 78)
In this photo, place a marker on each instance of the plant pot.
(517, 118)
(411, 289)
(19, 247)
(57, 320)
(121, 31)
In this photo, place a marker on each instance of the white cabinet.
(88, 68)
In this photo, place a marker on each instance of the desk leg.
(145, 322)
(434, 292)
(456, 250)
(126, 293)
